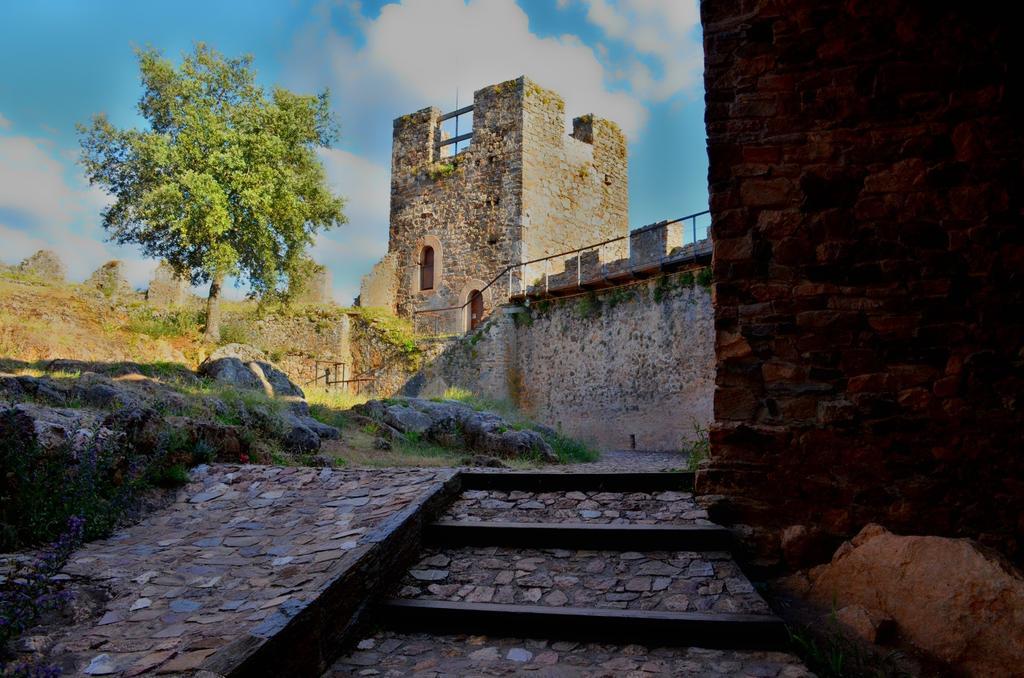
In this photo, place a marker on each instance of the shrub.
(235, 332)
(705, 277)
(42, 489)
(28, 589)
(699, 448)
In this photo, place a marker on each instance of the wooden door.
(476, 309)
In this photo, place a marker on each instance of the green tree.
(226, 182)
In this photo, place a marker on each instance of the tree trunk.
(212, 333)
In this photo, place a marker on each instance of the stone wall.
(635, 360)
(166, 289)
(379, 287)
(866, 194)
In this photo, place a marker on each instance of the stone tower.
(522, 189)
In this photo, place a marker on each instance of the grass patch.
(328, 406)
(699, 448)
(571, 451)
(175, 475)
(161, 324)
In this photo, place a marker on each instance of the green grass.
(571, 451)
(175, 475)
(699, 448)
(161, 324)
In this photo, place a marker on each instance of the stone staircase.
(613, 573)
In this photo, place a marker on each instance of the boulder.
(454, 425)
(243, 366)
(44, 265)
(406, 419)
(952, 598)
(56, 427)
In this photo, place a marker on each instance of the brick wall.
(866, 193)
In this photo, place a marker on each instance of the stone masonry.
(866, 190)
(629, 366)
(522, 189)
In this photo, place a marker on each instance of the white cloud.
(4, 122)
(41, 207)
(351, 250)
(32, 183)
(418, 52)
(663, 30)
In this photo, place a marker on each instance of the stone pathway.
(576, 581)
(616, 508)
(239, 550)
(390, 655)
(672, 581)
(634, 461)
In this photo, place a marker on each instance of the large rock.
(952, 598)
(44, 265)
(452, 424)
(243, 366)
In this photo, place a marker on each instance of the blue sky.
(637, 62)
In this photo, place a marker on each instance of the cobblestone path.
(574, 581)
(418, 654)
(240, 548)
(614, 508)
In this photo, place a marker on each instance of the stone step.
(732, 631)
(669, 507)
(565, 481)
(579, 536)
(394, 654)
(671, 581)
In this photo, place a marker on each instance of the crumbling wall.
(166, 289)
(866, 194)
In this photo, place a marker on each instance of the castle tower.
(522, 189)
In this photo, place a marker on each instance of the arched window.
(427, 268)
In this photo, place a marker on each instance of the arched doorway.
(474, 310)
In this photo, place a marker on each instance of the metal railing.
(511, 280)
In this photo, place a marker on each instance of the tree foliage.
(226, 182)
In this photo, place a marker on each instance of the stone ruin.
(44, 265)
(167, 289)
(109, 280)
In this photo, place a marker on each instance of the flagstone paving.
(641, 508)
(672, 581)
(390, 654)
(239, 547)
